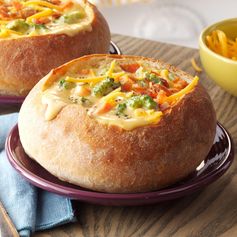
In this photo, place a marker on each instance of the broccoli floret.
(63, 84)
(105, 87)
(142, 101)
(120, 108)
(39, 26)
(148, 102)
(153, 77)
(135, 102)
(72, 17)
(18, 25)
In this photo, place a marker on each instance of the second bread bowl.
(36, 36)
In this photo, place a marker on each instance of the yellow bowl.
(220, 69)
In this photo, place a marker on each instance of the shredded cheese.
(184, 91)
(110, 71)
(39, 8)
(3, 22)
(113, 94)
(218, 42)
(6, 32)
(86, 80)
(195, 66)
(43, 3)
(164, 73)
(93, 78)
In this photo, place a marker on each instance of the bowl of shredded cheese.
(218, 53)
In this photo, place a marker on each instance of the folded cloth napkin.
(30, 208)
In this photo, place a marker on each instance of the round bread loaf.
(118, 139)
(30, 45)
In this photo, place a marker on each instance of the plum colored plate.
(11, 99)
(214, 166)
(15, 100)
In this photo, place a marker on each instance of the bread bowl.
(118, 124)
(36, 36)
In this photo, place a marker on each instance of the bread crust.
(80, 150)
(25, 60)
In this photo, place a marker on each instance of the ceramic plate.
(8, 100)
(213, 166)
(11, 99)
(114, 49)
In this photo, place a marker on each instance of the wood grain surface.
(208, 213)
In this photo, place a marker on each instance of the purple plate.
(214, 166)
(11, 99)
(15, 100)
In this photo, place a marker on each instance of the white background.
(174, 21)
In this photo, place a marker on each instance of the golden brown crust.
(78, 149)
(24, 61)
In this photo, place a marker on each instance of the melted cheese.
(54, 105)
(72, 29)
(184, 91)
(111, 69)
(129, 124)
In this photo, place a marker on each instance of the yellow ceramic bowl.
(222, 70)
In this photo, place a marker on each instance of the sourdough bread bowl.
(36, 36)
(118, 124)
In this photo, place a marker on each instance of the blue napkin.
(30, 208)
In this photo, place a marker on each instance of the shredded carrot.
(130, 67)
(126, 86)
(161, 97)
(17, 5)
(67, 5)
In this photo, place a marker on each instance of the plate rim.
(18, 100)
(78, 194)
(119, 52)
(11, 99)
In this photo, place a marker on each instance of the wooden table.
(210, 212)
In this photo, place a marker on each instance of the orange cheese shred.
(195, 66)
